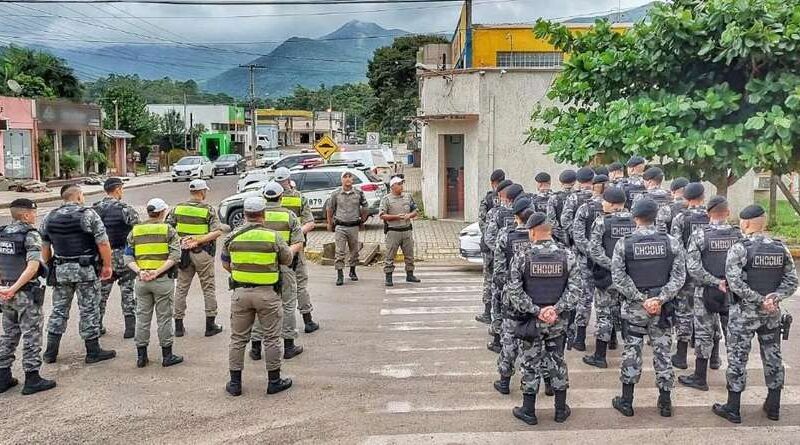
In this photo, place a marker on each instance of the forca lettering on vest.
(547, 269)
(642, 251)
(768, 260)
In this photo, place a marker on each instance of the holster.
(385, 227)
(37, 293)
(51, 273)
(786, 325)
(527, 330)
(665, 319)
(295, 261)
(715, 300)
(185, 260)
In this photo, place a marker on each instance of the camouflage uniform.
(489, 202)
(497, 221)
(606, 301)
(22, 314)
(684, 310)
(639, 322)
(540, 200)
(584, 307)
(664, 200)
(553, 217)
(667, 213)
(122, 274)
(747, 318)
(545, 355)
(73, 278)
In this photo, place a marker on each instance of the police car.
(316, 182)
(469, 243)
(265, 174)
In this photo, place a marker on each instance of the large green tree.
(392, 76)
(708, 88)
(158, 91)
(40, 74)
(171, 128)
(355, 100)
(133, 115)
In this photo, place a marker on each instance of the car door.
(316, 187)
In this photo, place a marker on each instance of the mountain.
(335, 58)
(628, 16)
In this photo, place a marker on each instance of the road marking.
(442, 280)
(439, 274)
(432, 298)
(444, 348)
(423, 310)
(435, 290)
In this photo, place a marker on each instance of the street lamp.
(116, 113)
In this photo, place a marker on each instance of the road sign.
(326, 147)
(373, 139)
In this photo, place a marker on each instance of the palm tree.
(39, 73)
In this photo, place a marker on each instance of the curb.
(43, 199)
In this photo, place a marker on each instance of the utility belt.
(83, 260)
(210, 248)
(233, 285)
(387, 228)
(716, 301)
(347, 223)
(32, 287)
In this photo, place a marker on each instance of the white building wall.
(201, 114)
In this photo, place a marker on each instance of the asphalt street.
(401, 365)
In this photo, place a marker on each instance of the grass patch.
(787, 225)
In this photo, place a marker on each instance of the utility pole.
(253, 137)
(185, 123)
(330, 118)
(116, 114)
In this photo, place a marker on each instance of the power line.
(234, 2)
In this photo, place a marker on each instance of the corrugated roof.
(118, 134)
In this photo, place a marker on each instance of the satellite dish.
(14, 86)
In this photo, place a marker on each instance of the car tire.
(236, 218)
(235, 171)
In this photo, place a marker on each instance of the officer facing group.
(346, 212)
(398, 210)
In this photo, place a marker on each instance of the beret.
(584, 174)
(715, 201)
(542, 177)
(537, 219)
(23, 203)
(520, 205)
(751, 211)
(614, 195)
(635, 160)
(601, 170)
(693, 190)
(645, 208)
(503, 184)
(513, 190)
(567, 176)
(678, 183)
(498, 175)
(615, 166)
(600, 179)
(653, 173)
(111, 183)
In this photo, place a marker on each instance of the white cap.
(282, 174)
(396, 180)
(198, 184)
(156, 205)
(254, 204)
(346, 172)
(272, 189)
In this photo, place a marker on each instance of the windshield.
(189, 161)
(227, 158)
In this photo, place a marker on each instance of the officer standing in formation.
(653, 177)
(118, 218)
(75, 239)
(253, 255)
(199, 227)
(555, 205)
(21, 298)
(397, 210)
(489, 201)
(666, 213)
(541, 197)
(760, 273)
(616, 173)
(346, 212)
(152, 253)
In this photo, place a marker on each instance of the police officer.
(653, 177)
(705, 262)
(615, 223)
(760, 273)
(541, 197)
(487, 203)
(346, 212)
(555, 205)
(666, 213)
(21, 298)
(601, 170)
(397, 210)
(253, 255)
(616, 173)
(684, 224)
(292, 199)
(73, 237)
(199, 227)
(153, 250)
(118, 217)
(634, 184)
(510, 240)
(648, 268)
(543, 288)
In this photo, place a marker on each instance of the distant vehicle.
(265, 157)
(230, 164)
(380, 161)
(469, 243)
(265, 174)
(192, 167)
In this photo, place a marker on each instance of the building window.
(530, 59)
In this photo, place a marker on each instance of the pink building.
(18, 137)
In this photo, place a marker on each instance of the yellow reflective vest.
(150, 245)
(191, 219)
(292, 202)
(254, 257)
(278, 220)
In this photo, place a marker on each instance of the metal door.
(17, 153)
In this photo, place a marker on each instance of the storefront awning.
(118, 134)
(447, 117)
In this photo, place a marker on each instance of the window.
(317, 181)
(530, 59)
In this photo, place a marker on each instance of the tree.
(133, 115)
(40, 74)
(159, 91)
(392, 76)
(355, 100)
(171, 127)
(707, 88)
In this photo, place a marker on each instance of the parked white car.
(265, 157)
(192, 167)
(265, 174)
(469, 243)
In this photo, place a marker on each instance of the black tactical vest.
(546, 277)
(113, 218)
(693, 219)
(615, 228)
(632, 189)
(561, 198)
(539, 202)
(490, 200)
(764, 266)
(516, 240)
(67, 236)
(12, 254)
(675, 208)
(716, 246)
(504, 218)
(593, 210)
(660, 196)
(648, 259)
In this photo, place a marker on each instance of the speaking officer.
(615, 223)
(705, 262)
(294, 201)
(684, 224)
(666, 213)
(543, 288)
(760, 273)
(397, 210)
(199, 227)
(555, 205)
(346, 212)
(21, 298)
(541, 197)
(253, 255)
(118, 217)
(74, 237)
(648, 268)
(489, 201)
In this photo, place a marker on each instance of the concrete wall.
(201, 114)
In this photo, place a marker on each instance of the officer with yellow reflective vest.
(152, 253)
(253, 255)
(286, 225)
(198, 226)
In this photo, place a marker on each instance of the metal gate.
(17, 153)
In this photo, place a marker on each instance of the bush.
(46, 149)
(69, 164)
(99, 158)
(175, 155)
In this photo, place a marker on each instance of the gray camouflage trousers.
(684, 312)
(583, 309)
(125, 279)
(88, 308)
(743, 324)
(488, 267)
(510, 349)
(661, 341)
(707, 326)
(606, 306)
(497, 310)
(22, 318)
(544, 358)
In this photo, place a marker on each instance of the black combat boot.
(35, 383)
(311, 325)
(612, 345)
(234, 386)
(698, 380)
(179, 332)
(141, 357)
(548, 387)
(6, 381)
(411, 278)
(664, 403)
(255, 350)
(168, 358)
(730, 410)
(486, 316)
(580, 339)
(772, 406)
(290, 349)
(211, 327)
(527, 412)
(353, 276)
(503, 386)
(562, 409)
(276, 384)
(679, 359)
(495, 345)
(51, 353)
(714, 362)
(94, 353)
(389, 281)
(624, 404)
(598, 359)
(130, 326)
(339, 277)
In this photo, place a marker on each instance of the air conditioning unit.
(4, 125)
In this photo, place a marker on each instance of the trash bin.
(410, 159)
